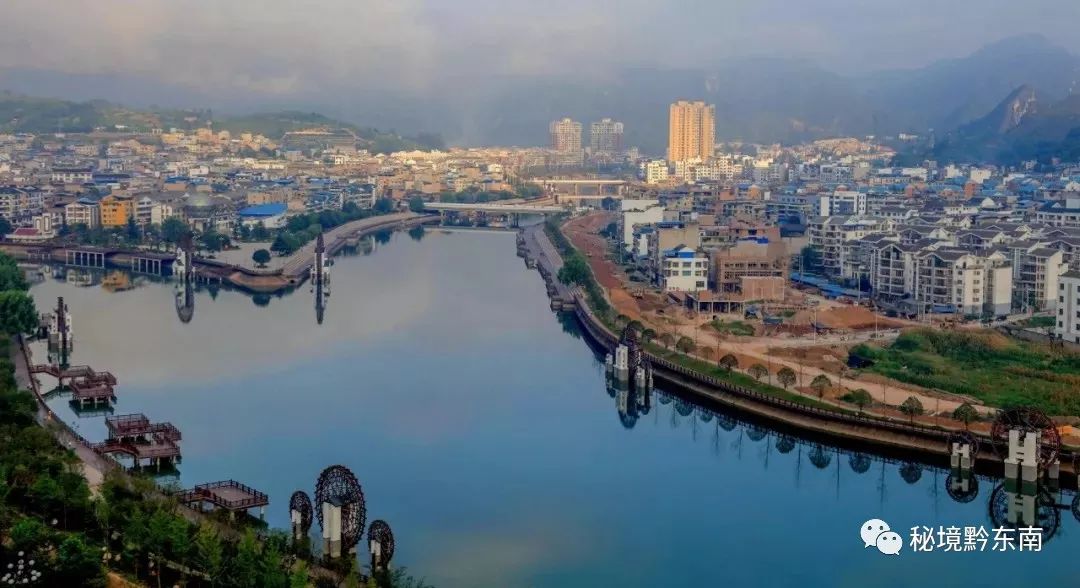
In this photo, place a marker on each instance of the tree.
(132, 230)
(729, 362)
(260, 232)
(416, 203)
(820, 384)
(574, 271)
(786, 376)
(667, 340)
(861, 398)
(758, 371)
(810, 259)
(648, 335)
(11, 277)
(209, 551)
(965, 413)
(261, 257)
(17, 312)
(383, 206)
(213, 240)
(912, 408)
(77, 564)
(244, 570)
(173, 230)
(686, 345)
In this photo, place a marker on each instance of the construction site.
(806, 330)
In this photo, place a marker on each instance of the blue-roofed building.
(271, 216)
(684, 270)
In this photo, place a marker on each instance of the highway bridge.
(492, 208)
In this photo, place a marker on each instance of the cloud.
(271, 46)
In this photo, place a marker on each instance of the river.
(481, 428)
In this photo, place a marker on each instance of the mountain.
(28, 114)
(950, 93)
(758, 100)
(1020, 128)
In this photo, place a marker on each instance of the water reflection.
(1010, 505)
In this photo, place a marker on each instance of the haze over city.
(489, 71)
(544, 294)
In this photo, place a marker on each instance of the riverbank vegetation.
(48, 515)
(576, 270)
(983, 364)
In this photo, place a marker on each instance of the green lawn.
(983, 364)
(1039, 322)
(732, 327)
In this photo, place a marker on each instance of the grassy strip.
(982, 364)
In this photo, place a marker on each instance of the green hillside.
(35, 115)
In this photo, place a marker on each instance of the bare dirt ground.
(786, 346)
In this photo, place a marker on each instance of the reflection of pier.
(135, 436)
(87, 386)
(228, 495)
(320, 278)
(184, 270)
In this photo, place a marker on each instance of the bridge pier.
(146, 265)
(86, 258)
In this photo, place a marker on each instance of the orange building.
(116, 210)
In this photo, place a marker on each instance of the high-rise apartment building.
(565, 135)
(691, 131)
(606, 136)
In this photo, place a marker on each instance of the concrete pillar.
(331, 530)
(960, 456)
(376, 555)
(295, 518)
(622, 362)
(1022, 462)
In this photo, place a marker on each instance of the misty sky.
(280, 47)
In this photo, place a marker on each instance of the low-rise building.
(116, 210)
(84, 211)
(684, 270)
(1068, 308)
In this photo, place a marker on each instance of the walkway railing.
(602, 335)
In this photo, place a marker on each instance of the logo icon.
(877, 533)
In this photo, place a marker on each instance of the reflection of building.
(691, 131)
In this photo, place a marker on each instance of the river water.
(482, 429)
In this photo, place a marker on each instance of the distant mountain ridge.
(28, 114)
(1022, 127)
(758, 100)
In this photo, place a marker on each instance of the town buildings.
(606, 137)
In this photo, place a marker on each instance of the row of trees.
(302, 228)
(912, 407)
